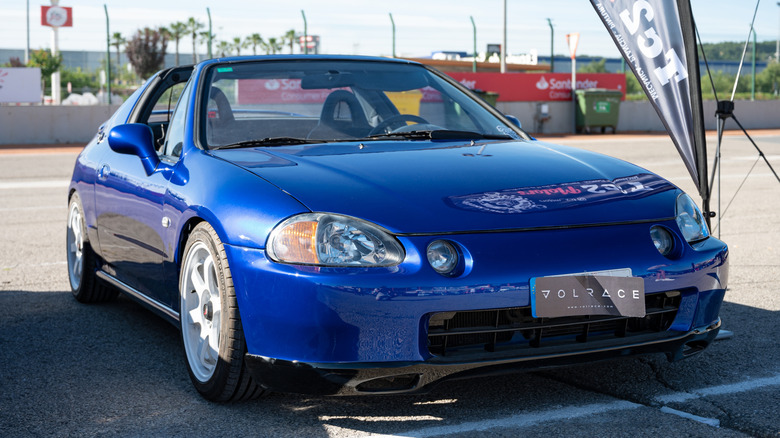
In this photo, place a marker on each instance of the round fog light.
(662, 240)
(443, 256)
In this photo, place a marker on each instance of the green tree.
(177, 30)
(223, 48)
(255, 40)
(274, 45)
(14, 62)
(289, 37)
(117, 40)
(194, 26)
(80, 81)
(599, 66)
(768, 81)
(238, 44)
(146, 51)
(46, 62)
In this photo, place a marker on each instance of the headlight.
(332, 240)
(690, 220)
(662, 239)
(443, 257)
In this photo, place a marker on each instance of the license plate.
(582, 295)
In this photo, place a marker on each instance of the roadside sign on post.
(56, 16)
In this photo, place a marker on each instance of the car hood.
(449, 187)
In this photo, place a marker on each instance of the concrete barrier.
(640, 116)
(51, 124)
(78, 124)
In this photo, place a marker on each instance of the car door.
(128, 202)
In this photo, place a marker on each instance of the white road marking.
(714, 422)
(42, 207)
(565, 412)
(732, 388)
(12, 185)
(525, 420)
(37, 265)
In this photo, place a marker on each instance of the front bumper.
(338, 330)
(410, 377)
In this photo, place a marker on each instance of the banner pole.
(697, 111)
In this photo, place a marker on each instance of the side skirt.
(157, 307)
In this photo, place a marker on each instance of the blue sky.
(363, 27)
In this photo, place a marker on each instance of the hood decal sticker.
(563, 195)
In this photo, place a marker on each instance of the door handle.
(104, 171)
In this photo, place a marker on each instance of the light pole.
(474, 58)
(573, 39)
(777, 50)
(503, 44)
(108, 57)
(27, 49)
(392, 22)
(208, 12)
(552, 46)
(305, 34)
(753, 75)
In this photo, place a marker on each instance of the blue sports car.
(355, 225)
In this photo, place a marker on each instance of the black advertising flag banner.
(656, 38)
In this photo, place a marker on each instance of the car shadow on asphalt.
(116, 368)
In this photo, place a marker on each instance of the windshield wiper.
(271, 141)
(444, 134)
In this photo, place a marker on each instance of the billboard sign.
(20, 85)
(538, 87)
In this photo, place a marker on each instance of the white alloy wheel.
(82, 260)
(201, 310)
(75, 246)
(211, 327)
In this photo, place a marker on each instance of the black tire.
(221, 375)
(82, 261)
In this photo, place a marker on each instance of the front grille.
(454, 333)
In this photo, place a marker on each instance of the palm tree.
(238, 44)
(177, 30)
(274, 45)
(290, 38)
(223, 47)
(116, 41)
(255, 40)
(194, 26)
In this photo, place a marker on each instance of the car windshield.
(276, 102)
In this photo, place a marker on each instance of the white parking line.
(37, 265)
(732, 388)
(572, 412)
(11, 185)
(525, 420)
(42, 207)
(714, 422)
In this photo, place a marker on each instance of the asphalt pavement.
(68, 369)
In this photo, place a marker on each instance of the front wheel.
(211, 327)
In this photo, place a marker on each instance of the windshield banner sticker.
(563, 195)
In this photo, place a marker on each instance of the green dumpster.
(488, 96)
(597, 108)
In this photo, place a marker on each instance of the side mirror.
(135, 139)
(515, 121)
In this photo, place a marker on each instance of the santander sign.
(530, 87)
